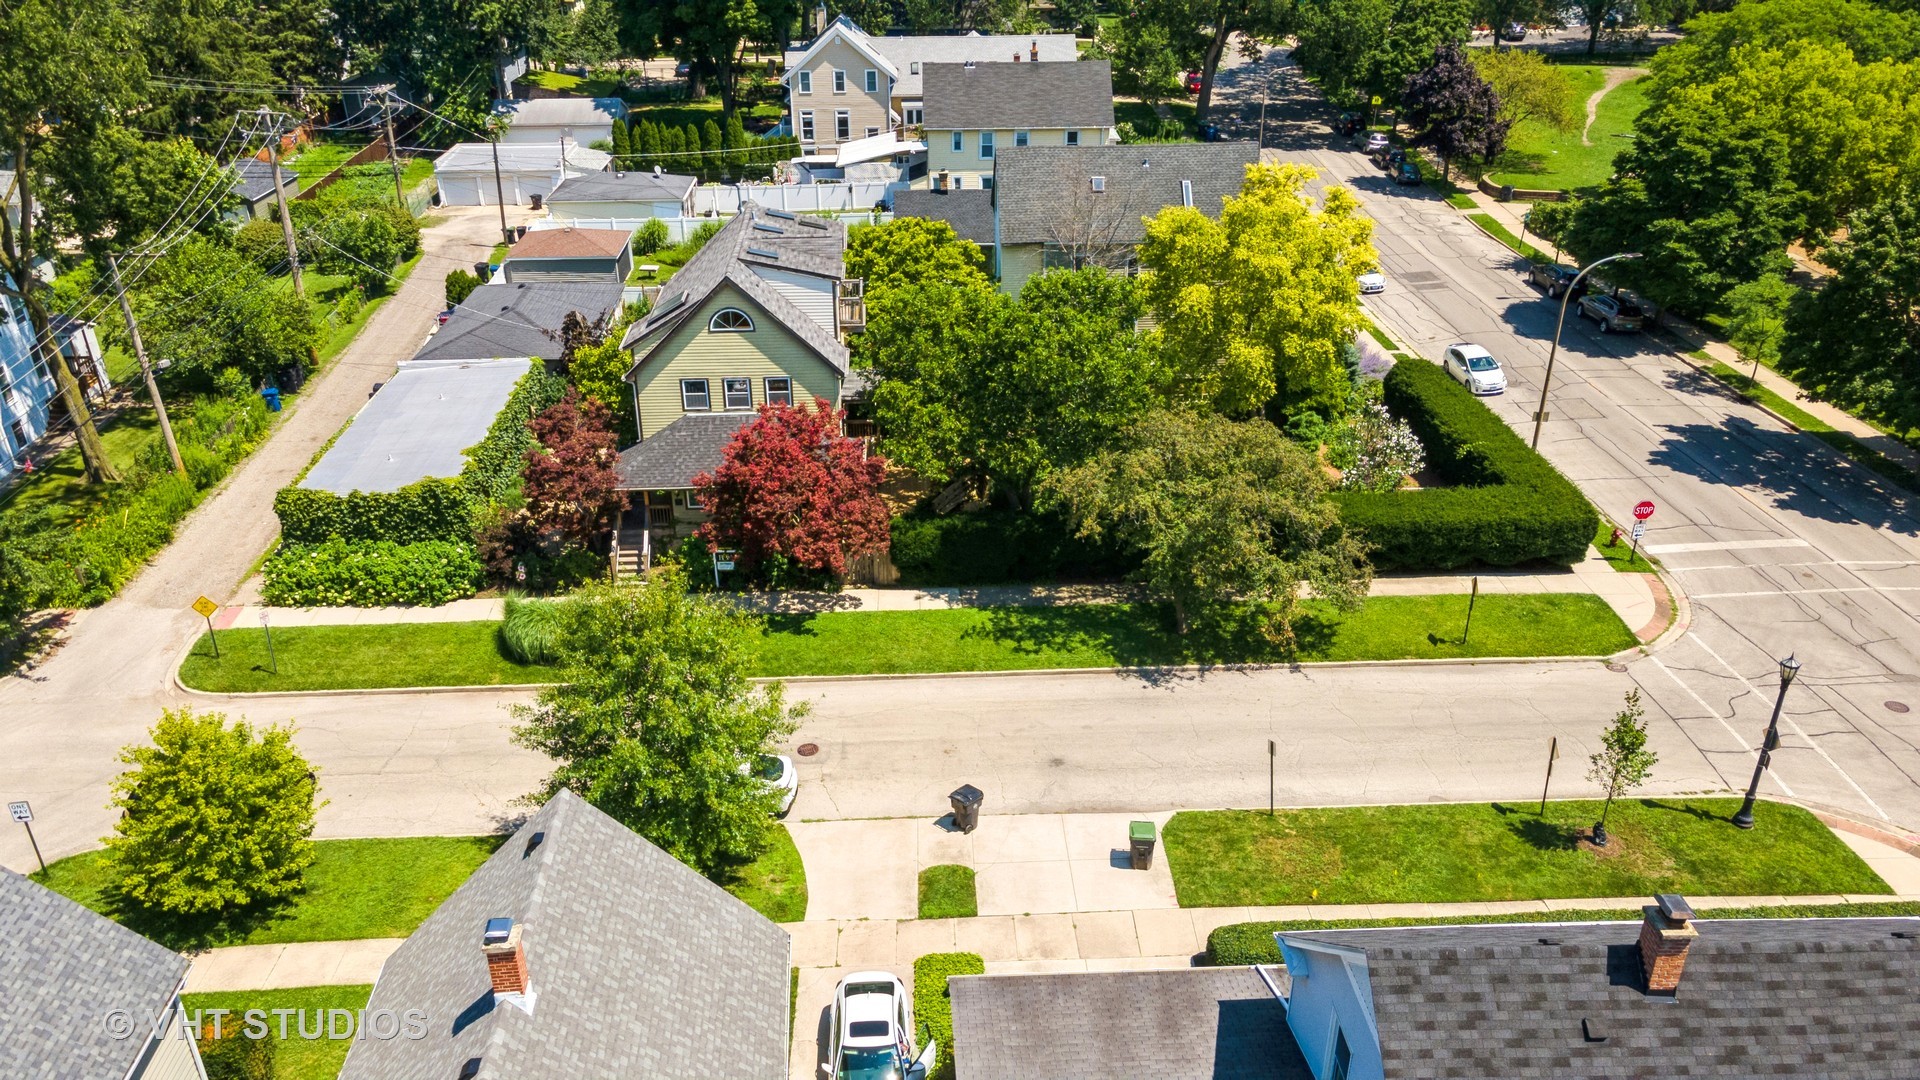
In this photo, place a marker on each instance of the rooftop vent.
(1099, 183)
(968, 66)
(533, 842)
(619, 174)
(783, 215)
(656, 170)
(814, 223)
(1033, 50)
(497, 932)
(1593, 1030)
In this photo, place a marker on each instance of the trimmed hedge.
(933, 1008)
(1252, 942)
(435, 508)
(997, 547)
(1509, 506)
(370, 573)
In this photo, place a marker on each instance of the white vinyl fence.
(797, 197)
(678, 228)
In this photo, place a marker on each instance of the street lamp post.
(1540, 414)
(1788, 669)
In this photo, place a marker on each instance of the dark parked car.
(1554, 279)
(1394, 159)
(1513, 31)
(1347, 125)
(1406, 173)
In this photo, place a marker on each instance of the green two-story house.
(758, 317)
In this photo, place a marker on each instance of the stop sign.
(1643, 511)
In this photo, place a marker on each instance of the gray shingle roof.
(638, 966)
(753, 237)
(622, 187)
(477, 157)
(66, 970)
(420, 424)
(969, 211)
(253, 179)
(1019, 96)
(1181, 1024)
(1833, 998)
(679, 452)
(518, 320)
(1036, 188)
(562, 110)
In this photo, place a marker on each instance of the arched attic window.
(730, 321)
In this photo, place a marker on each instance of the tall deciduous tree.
(1862, 331)
(1454, 111)
(1530, 90)
(215, 817)
(654, 716)
(1199, 32)
(1359, 49)
(1223, 513)
(569, 478)
(910, 250)
(792, 487)
(1623, 761)
(1256, 305)
(1757, 318)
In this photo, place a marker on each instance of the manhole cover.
(1616, 667)
(1897, 706)
(808, 749)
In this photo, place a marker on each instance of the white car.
(777, 772)
(1377, 141)
(1375, 282)
(872, 1031)
(1476, 368)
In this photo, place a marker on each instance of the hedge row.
(370, 573)
(1507, 506)
(1252, 942)
(933, 1008)
(996, 547)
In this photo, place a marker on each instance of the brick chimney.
(506, 958)
(1016, 57)
(1666, 934)
(1033, 51)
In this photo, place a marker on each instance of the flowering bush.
(369, 573)
(1375, 452)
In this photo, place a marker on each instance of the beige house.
(759, 317)
(848, 85)
(974, 112)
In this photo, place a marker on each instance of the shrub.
(1509, 506)
(531, 629)
(460, 285)
(933, 1007)
(234, 1056)
(996, 546)
(262, 243)
(432, 509)
(370, 573)
(651, 237)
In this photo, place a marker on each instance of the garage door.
(461, 190)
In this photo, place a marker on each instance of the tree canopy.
(908, 251)
(1453, 110)
(1357, 49)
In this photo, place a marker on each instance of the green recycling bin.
(1140, 833)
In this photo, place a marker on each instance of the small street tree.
(1454, 111)
(1623, 761)
(569, 478)
(215, 817)
(1757, 319)
(792, 488)
(1224, 513)
(654, 715)
(905, 251)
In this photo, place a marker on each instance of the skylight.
(764, 227)
(763, 253)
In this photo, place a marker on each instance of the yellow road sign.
(1376, 99)
(205, 607)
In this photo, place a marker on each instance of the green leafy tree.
(1530, 90)
(909, 251)
(215, 817)
(737, 140)
(205, 308)
(712, 141)
(1198, 33)
(1358, 49)
(1757, 318)
(30, 567)
(1623, 761)
(622, 146)
(1144, 62)
(1499, 13)
(1239, 326)
(1226, 516)
(460, 285)
(1861, 332)
(1550, 220)
(654, 715)
(1454, 111)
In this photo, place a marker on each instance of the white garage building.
(584, 120)
(465, 172)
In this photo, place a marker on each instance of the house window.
(1020, 138)
(730, 321)
(806, 127)
(916, 67)
(779, 391)
(1342, 1056)
(986, 144)
(873, 81)
(839, 81)
(806, 82)
(872, 131)
(693, 395)
(693, 501)
(986, 183)
(1073, 138)
(843, 125)
(957, 140)
(739, 393)
(915, 117)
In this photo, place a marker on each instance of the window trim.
(1073, 138)
(713, 324)
(806, 125)
(842, 125)
(803, 83)
(986, 146)
(706, 396)
(1022, 138)
(726, 393)
(872, 81)
(872, 131)
(839, 81)
(959, 142)
(785, 396)
(914, 117)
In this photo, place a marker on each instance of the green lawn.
(59, 483)
(596, 84)
(1541, 157)
(296, 1058)
(1146, 119)
(324, 292)
(355, 889)
(318, 159)
(1493, 227)
(946, 892)
(1621, 556)
(775, 884)
(960, 639)
(1498, 851)
(1744, 385)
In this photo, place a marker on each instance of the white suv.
(872, 1031)
(1476, 368)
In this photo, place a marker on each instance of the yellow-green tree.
(1255, 307)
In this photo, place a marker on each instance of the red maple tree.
(569, 478)
(792, 485)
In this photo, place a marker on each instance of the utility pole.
(146, 369)
(271, 124)
(393, 150)
(499, 194)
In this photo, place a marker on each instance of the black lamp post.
(1788, 669)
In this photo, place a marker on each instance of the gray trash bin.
(1140, 838)
(966, 806)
